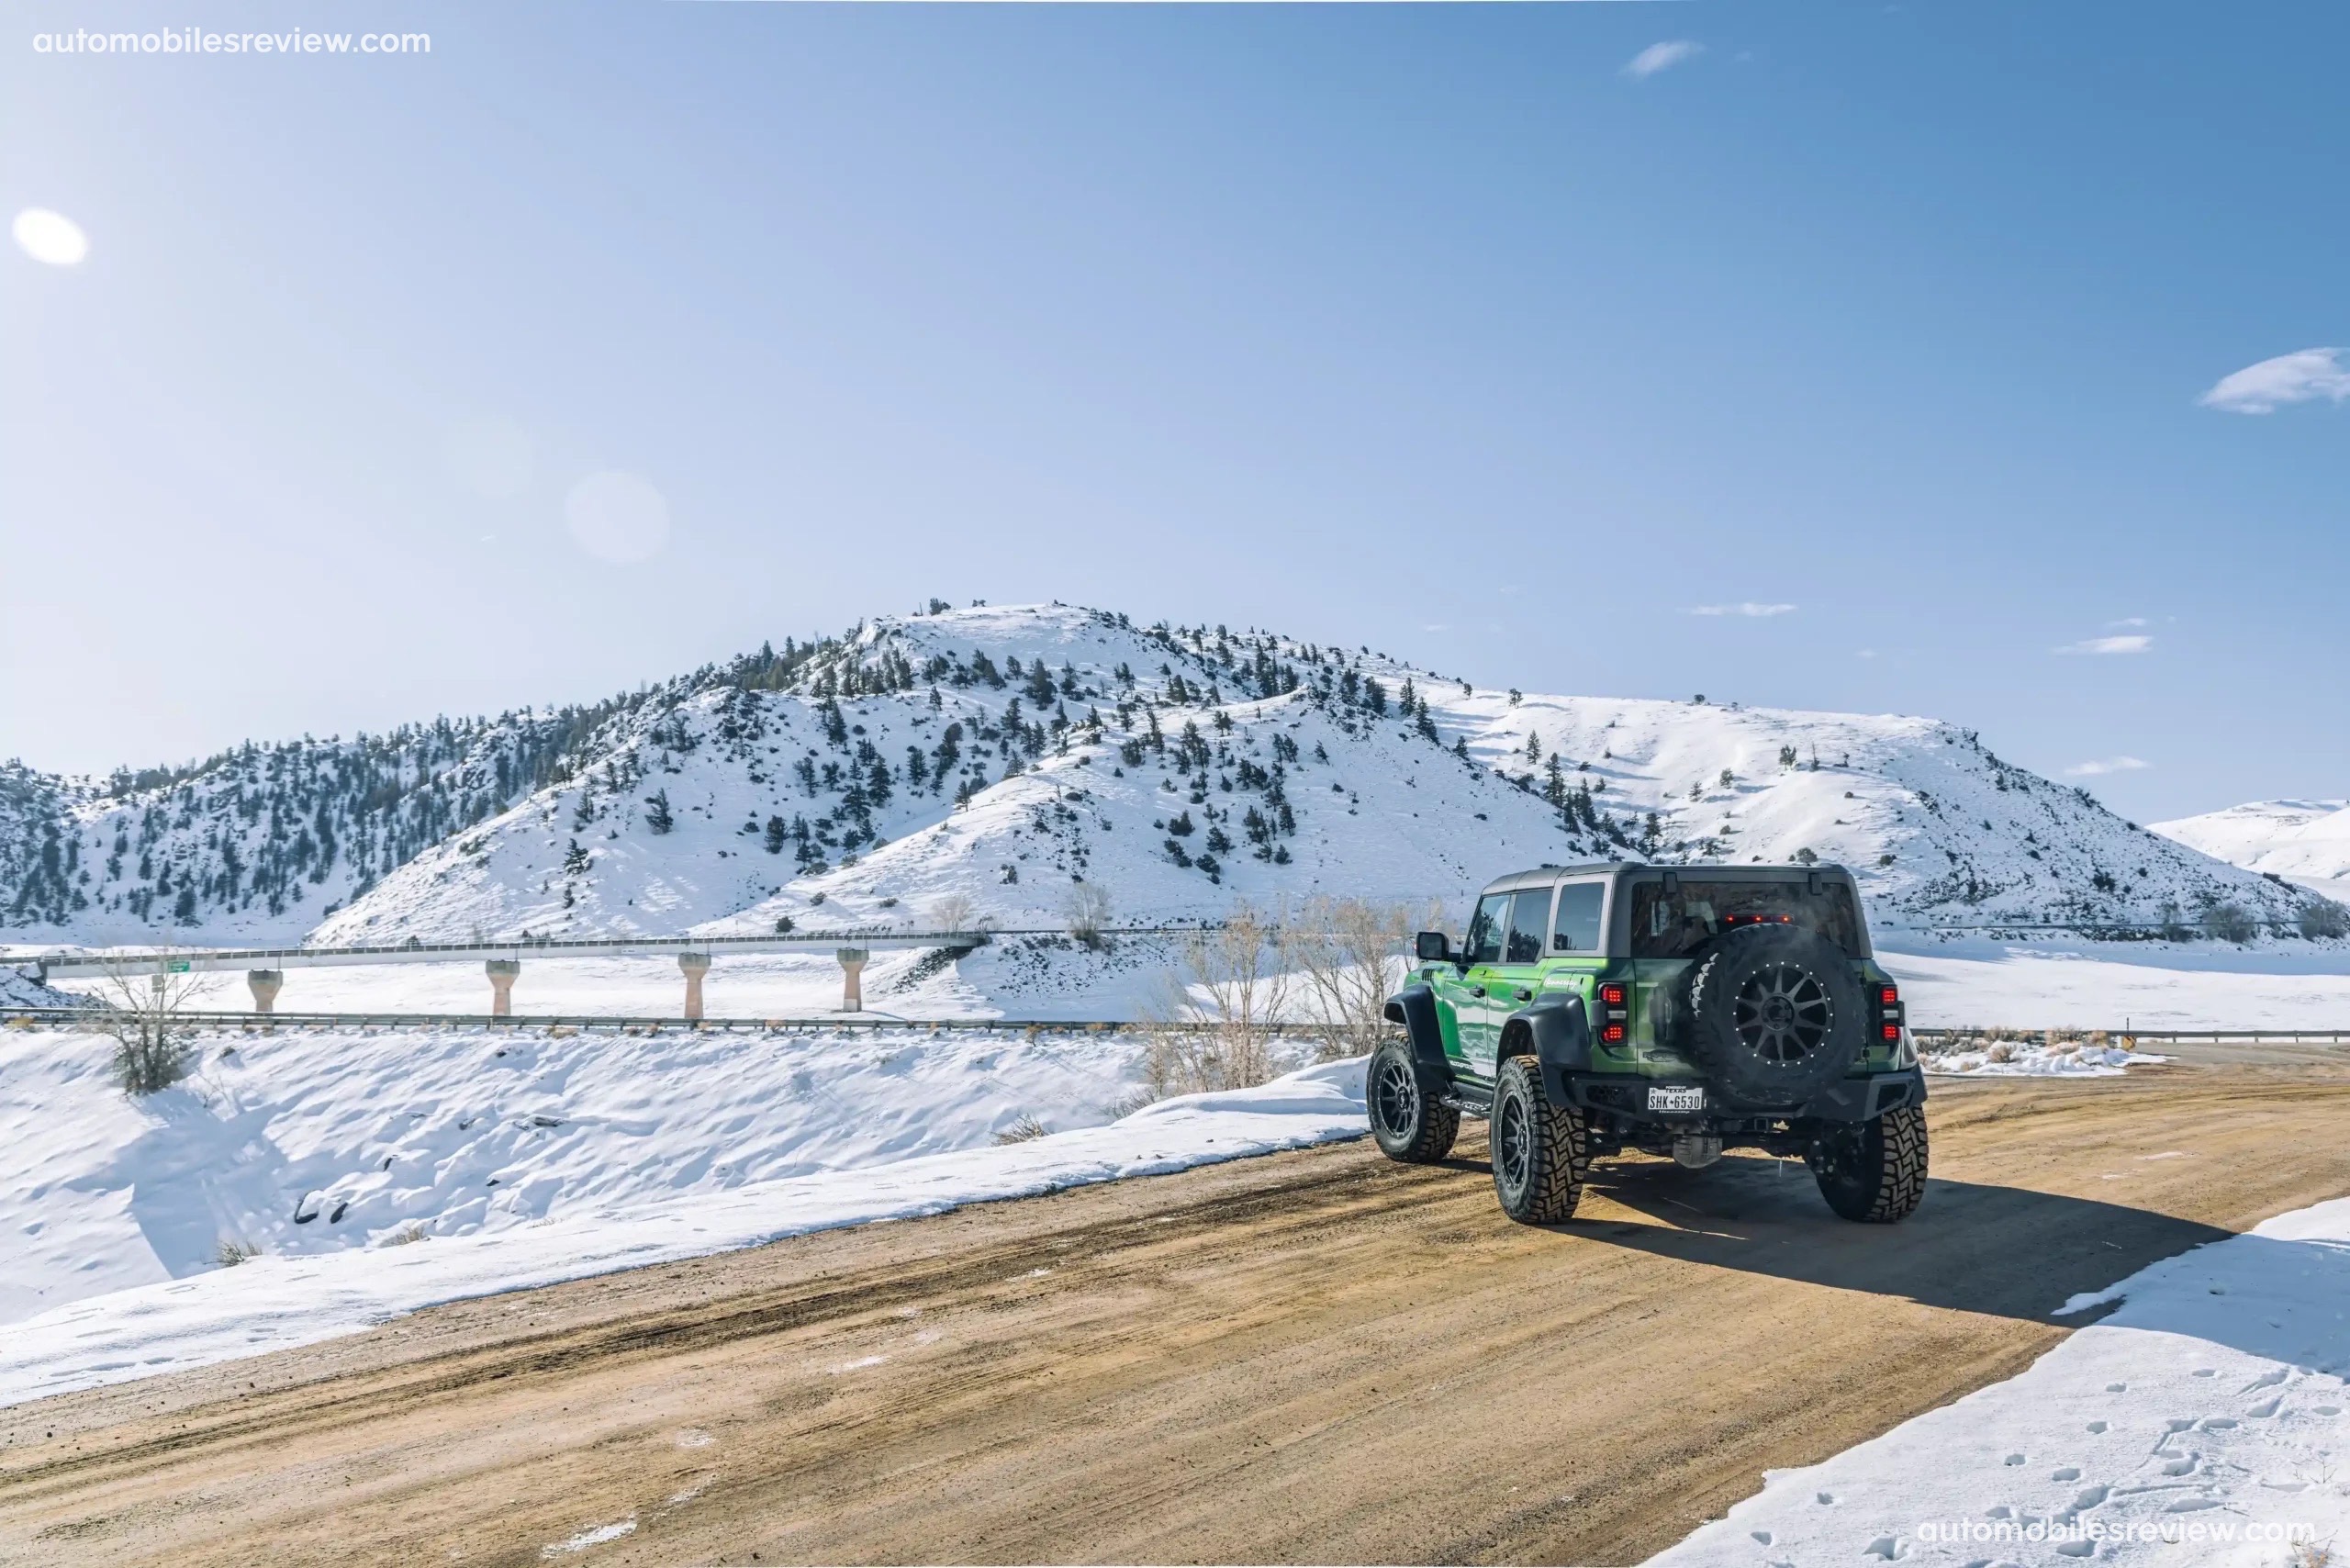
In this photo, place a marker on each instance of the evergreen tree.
(656, 813)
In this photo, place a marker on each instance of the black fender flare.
(1556, 1032)
(1415, 1008)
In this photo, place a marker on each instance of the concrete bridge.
(502, 961)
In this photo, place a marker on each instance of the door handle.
(1524, 994)
(1476, 991)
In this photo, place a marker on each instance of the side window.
(1576, 929)
(1483, 943)
(1529, 918)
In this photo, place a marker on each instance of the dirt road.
(1318, 1357)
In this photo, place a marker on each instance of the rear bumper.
(1625, 1099)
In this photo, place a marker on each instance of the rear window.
(1675, 925)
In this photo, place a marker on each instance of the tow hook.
(1694, 1151)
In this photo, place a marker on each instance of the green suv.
(1677, 1011)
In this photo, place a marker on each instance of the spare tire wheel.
(1773, 1014)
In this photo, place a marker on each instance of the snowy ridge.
(2306, 842)
(993, 759)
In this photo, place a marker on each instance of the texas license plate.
(1677, 1097)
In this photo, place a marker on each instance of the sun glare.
(50, 237)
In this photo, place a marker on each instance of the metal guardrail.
(622, 1022)
(1942, 1036)
(610, 1023)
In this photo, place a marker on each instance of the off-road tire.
(1874, 1173)
(1540, 1153)
(1772, 1014)
(1407, 1121)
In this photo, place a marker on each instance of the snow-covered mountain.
(2306, 842)
(992, 760)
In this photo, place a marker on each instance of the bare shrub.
(1349, 956)
(2322, 919)
(1026, 1130)
(231, 1251)
(1215, 1016)
(144, 1012)
(2001, 1051)
(407, 1235)
(956, 911)
(1087, 908)
(2229, 922)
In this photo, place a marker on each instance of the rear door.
(1578, 943)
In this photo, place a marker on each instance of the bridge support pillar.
(265, 984)
(501, 985)
(695, 966)
(852, 978)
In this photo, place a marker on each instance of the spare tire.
(1773, 1014)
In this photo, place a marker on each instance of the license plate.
(1677, 1097)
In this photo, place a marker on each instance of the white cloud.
(2300, 377)
(50, 237)
(1660, 57)
(2130, 643)
(2128, 620)
(1748, 608)
(2106, 765)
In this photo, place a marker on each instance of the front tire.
(1540, 1153)
(1875, 1173)
(1406, 1121)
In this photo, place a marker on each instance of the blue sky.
(1437, 328)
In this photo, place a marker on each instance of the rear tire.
(1540, 1153)
(1875, 1173)
(1406, 1121)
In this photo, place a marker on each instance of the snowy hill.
(2306, 842)
(994, 759)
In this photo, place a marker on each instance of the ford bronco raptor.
(1676, 1011)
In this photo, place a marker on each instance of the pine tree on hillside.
(656, 813)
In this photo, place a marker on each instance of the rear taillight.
(1615, 1010)
(1889, 1013)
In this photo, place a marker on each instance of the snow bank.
(276, 1301)
(2203, 1422)
(2069, 1058)
(299, 1143)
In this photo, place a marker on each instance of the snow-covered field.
(2148, 985)
(299, 1294)
(2203, 1422)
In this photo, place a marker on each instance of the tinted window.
(1576, 929)
(1673, 925)
(1529, 921)
(1483, 943)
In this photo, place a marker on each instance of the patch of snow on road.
(2205, 1421)
(587, 1538)
(273, 1303)
(2008, 1058)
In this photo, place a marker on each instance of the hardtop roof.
(1542, 876)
